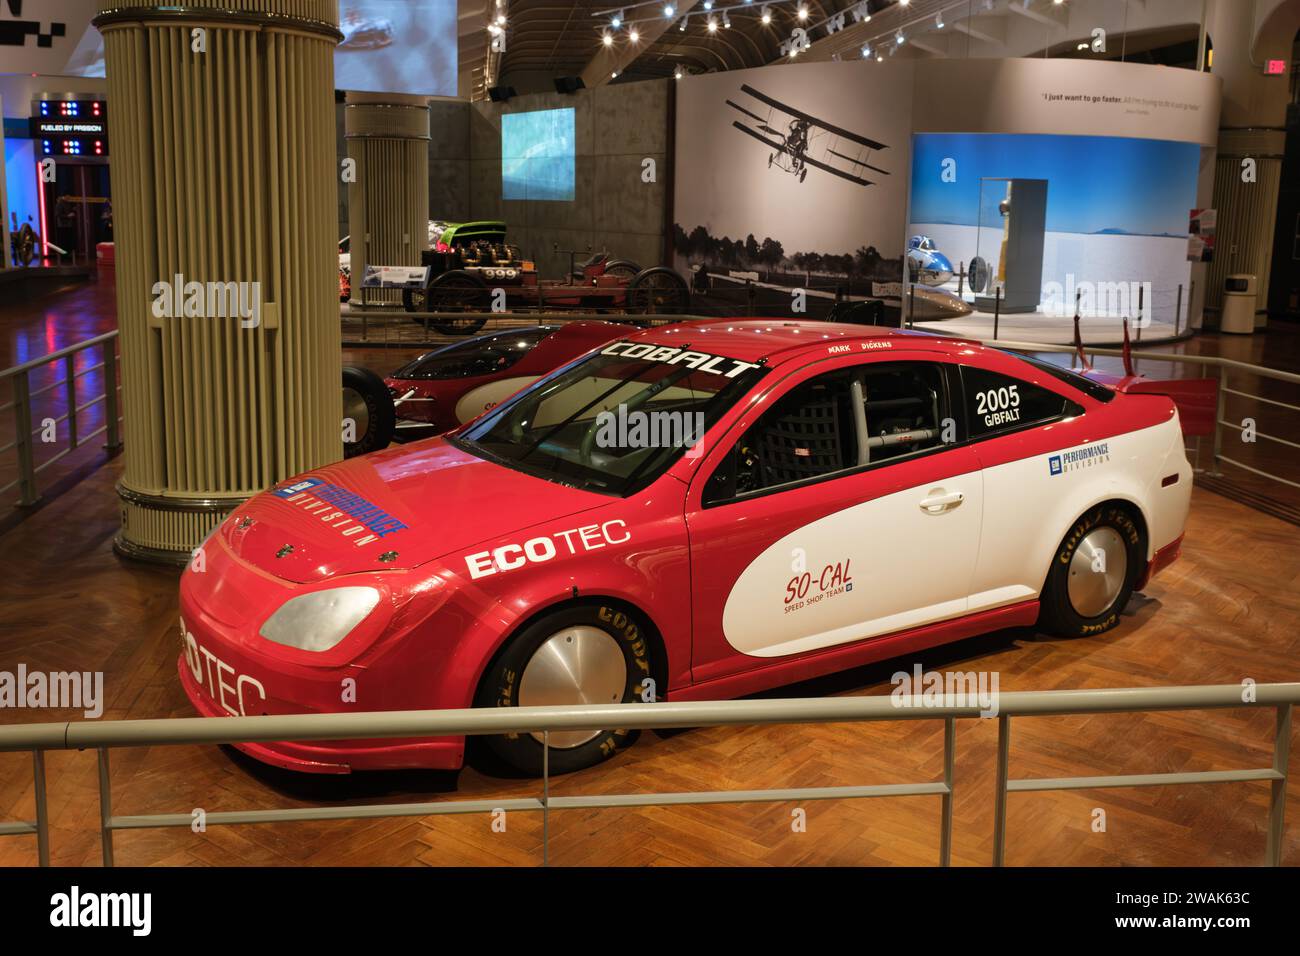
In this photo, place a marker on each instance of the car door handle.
(936, 504)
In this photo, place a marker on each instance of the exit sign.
(1275, 67)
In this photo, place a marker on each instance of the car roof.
(751, 340)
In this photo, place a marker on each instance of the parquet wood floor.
(1227, 611)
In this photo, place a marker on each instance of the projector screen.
(537, 155)
(388, 46)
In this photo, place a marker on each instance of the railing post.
(1277, 798)
(70, 386)
(546, 798)
(1219, 411)
(42, 811)
(23, 424)
(1000, 807)
(112, 436)
(1178, 309)
(105, 807)
(945, 825)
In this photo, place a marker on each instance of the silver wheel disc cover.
(1097, 572)
(356, 409)
(578, 665)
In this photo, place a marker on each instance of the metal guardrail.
(1222, 366)
(22, 406)
(101, 736)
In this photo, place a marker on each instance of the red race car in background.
(449, 386)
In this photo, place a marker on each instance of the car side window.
(832, 424)
(997, 403)
(485, 355)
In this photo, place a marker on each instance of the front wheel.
(594, 654)
(1093, 572)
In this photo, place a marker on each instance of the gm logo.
(1054, 464)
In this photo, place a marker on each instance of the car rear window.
(1070, 377)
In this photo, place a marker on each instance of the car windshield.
(615, 421)
(483, 355)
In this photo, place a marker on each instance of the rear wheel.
(369, 417)
(592, 654)
(455, 291)
(658, 291)
(623, 268)
(1092, 574)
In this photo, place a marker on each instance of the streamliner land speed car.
(841, 495)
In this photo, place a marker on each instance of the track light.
(607, 39)
(726, 20)
(712, 25)
(617, 20)
(767, 14)
(866, 51)
(938, 20)
(614, 75)
(668, 10)
(633, 35)
(899, 38)
(803, 13)
(708, 4)
(677, 73)
(682, 26)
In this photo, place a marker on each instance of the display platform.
(1053, 330)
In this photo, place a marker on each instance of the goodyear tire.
(368, 405)
(585, 654)
(1093, 572)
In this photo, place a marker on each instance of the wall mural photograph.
(792, 179)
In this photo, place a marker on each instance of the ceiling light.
(668, 10)
(899, 38)
(866, 50)
(677, 74)
(617, 20)
(803, 13)
(726, 20)
(682, 26)
(938, 20)
(614, 75)
(708, 4)
(633, 35)
(712, 25)
(767, 14)
(501, 20)
(607, 39)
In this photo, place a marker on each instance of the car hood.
(392, 509)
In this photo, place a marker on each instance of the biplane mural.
(799, 140)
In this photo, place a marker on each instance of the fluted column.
(222, 121)
(388, 201)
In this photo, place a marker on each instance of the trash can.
(1238, 314)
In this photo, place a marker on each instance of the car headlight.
(319, 620)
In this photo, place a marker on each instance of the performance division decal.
(345, 511)
(1079, 458)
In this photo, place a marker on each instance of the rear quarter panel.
(1038, 482)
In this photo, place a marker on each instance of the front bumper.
(227, 669)
(335, 756)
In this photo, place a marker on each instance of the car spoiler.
(1197, 399)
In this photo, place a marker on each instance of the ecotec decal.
(228, 688)
(543, 548)
(811, 587)
(1084, 457)
(343, 510)
(950, 689)
(700, 361)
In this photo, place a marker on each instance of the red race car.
(693, 512)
